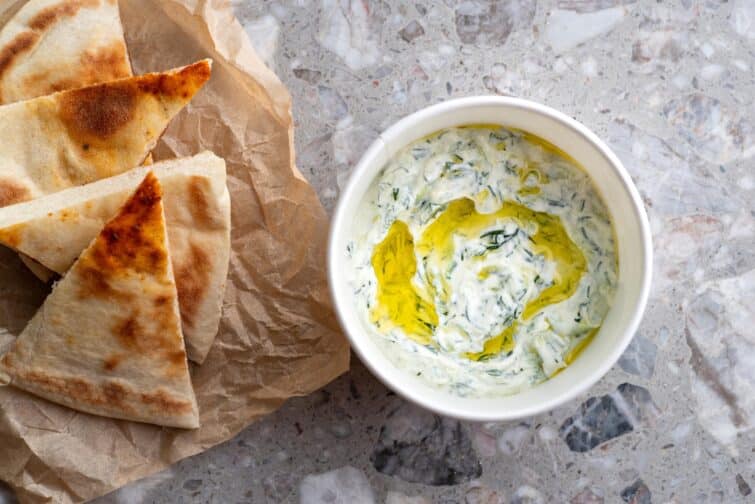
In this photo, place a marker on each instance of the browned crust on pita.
(40, 23)
(96, 113)
(137, 340)
(184, 83)
(49, 16)
(95, 66)
(19, 45)
(112, 362)
(202, 211)
(12, 192)
(11, 236)
(192, 279)
(133, 242)
(109, 395)
(95, 283)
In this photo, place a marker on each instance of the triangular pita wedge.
(53, 45)
(74, 137)
(108, 340)
(54, 229)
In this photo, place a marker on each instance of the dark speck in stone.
(322, 397)
(305, 74)
(490, 23)
(742, 485)
(192, 485)
(299, 430)
(587, 496)
(610, 416)
(411, 31)
(637, 493)
(354, 391)
(278, 487)
(420, 447)
(421, 9)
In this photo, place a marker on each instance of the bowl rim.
(401, 129)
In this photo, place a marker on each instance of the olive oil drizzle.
(400, 303)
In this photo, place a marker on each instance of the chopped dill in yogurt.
(483, 260)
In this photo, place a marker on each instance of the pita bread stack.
(108, 339)
(143, 251)
(54, 229)
(49, 46)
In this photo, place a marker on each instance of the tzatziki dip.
(482, 260)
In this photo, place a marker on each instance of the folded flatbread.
(108, 340)
(54, 45)
(74, 137)
(54, 229)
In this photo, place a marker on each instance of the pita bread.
(55, 229)
(74, 137)
(53, 45)
(108, 340)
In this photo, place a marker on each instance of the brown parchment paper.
(278, 337)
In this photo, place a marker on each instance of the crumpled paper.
(278, 336)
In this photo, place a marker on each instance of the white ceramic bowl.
(620, 196)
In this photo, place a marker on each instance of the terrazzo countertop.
(669, 86)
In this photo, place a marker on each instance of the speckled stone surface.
(669, 85)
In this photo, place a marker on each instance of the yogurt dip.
(483, 260)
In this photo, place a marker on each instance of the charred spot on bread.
(161, 301)
(49, 16)
(152, 333)
(109, 394)
(163, 402)
(202, 206)
(129, 332)
(96, 65)
(115, 393)
(11, 236)
(181, 84)
(192, 279)
(98, 112)
(133, 242)
(19, 45)
(111, 362)
(177, 359)
(12, 192)
(96, 283)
